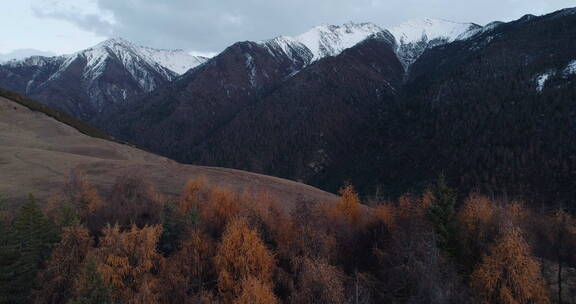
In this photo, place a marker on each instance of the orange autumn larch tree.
(241, 255)
(478, 229)
(128, 262)
(509, 274)
(221, 207)
(348, 206)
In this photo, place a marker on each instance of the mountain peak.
(176, 60)
(414, 36)
(329, 40)
(114, 42)
(428, 29)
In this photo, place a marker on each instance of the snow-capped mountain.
(415, 36)
(86, 82)
(134, 57)
(324, 40)
(142, 68)
(166, 62)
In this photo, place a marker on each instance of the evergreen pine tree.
(172, 231)
(7, 258)
(442, 216)
(26, 247)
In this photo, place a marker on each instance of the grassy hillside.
(33, 105)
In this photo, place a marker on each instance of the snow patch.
(565, 12)
(570, 68)
(480, 30)
(541, 80)
(251, 70)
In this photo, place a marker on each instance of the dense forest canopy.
(215, 246)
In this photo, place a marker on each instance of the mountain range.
(88, 82)
(388, 110)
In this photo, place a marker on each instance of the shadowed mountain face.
(488, 110)
(252, 109)
(185, 113)
(300, 128)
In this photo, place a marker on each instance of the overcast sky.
(65, 26)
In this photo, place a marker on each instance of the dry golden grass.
(38, 152)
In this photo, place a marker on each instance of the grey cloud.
(211, 25)
(89, 21)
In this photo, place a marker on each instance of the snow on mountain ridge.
(411, 38)
(324, 40)
(479, 30)
(177, 61)
(331, 40)
(415, 36)
(110, 72)
(429, 29)
(20, 54)
(130, 55)
(289, 47)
